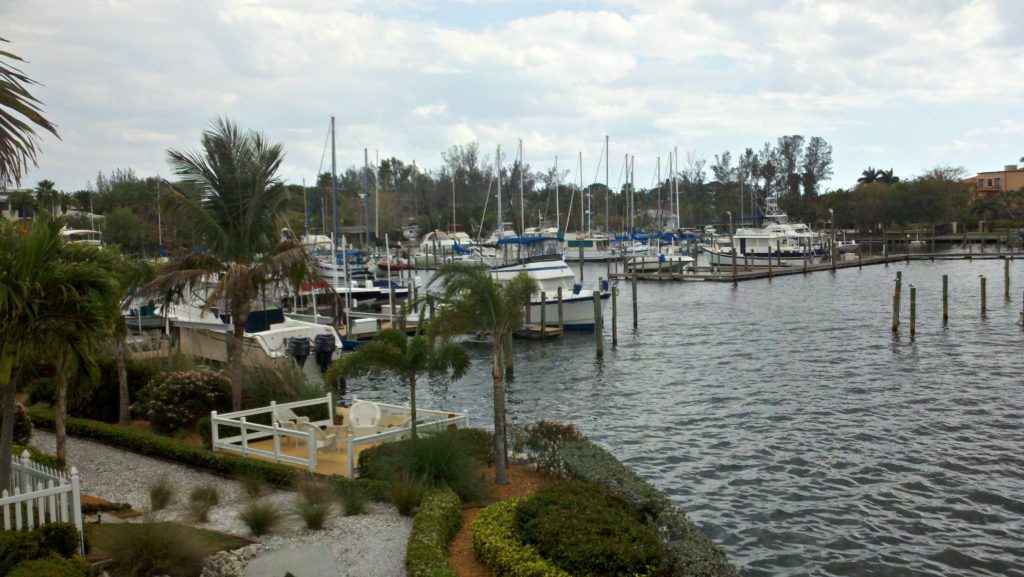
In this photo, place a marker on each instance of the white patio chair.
(283, 414)
(364, 418)
(322, 439)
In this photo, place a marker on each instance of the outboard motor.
(298, 348)
(324, 347)
(576, 288)
(604, 285)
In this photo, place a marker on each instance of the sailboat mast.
(558, 212)
(607, 189)
(334, 187)
(657, 171)
(583, 222)
(453, 202)
(679, 208)
(497, 166)
(366, 194)
(522, 194)
(305, 211)
(376, 191)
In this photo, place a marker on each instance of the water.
(791, 424)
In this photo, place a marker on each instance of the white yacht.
(777, 239)
(541, 258)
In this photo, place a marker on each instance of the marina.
(793, 425)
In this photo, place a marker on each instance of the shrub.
(314, 514)
(161, 494)
(543, 440)
(283, 383)
(52, 566)
(314, 489)
(354, 498)
(22, 425)
(688, 551)
(19, 546)
(203, 427)
(201, 500)
(154, 549)
(406, 494)
(255, 486)
(478, 442)
(97, 397)
(150, 444)
(435, 525)
(39, 457)
(176, 401)
(60, 538)
(496, 545)
(261, 517)
(435, 459)
(588, 531)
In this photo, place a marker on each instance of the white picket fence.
(40, 495)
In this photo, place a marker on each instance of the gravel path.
(368, 545)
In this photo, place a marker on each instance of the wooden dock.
(744, 273)
(537, 332)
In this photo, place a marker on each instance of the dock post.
(896, 301)
(1006, 278)
(970, 248)
(529, 311)
(615, 314)
(543, 313)
(778, 252)
(860, 259)
(598, 325)
(734, 281)
(769, 263)
(945, 298)
(913, 311)
(634, 301)
(984, 305)
(581, 257)
(806, 256)
(561, 322)
(908, 248)
(933, 241)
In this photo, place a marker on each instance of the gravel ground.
(368, 545)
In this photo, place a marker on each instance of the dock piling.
(561, 321)
(634, 301)
(896, 302)
(945, 298)
(598, 328)
(1006, 278)
(615, 314)
(543, 313)
(984, 304)
(913, 311)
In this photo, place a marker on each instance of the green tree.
(19, 111)
(46, 197)
(471, 301)
(869, 175)
(45, 294)
(231, 195)
(391, 351)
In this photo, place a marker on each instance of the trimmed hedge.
(434, 527)
(16, 547)
(496, 545)
(52, 566)
(689, 552)
(588, 531)
(38, 456)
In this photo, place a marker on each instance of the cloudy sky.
(906, 84)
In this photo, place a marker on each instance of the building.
(995, 182)
(11, 208)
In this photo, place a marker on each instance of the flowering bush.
(22, 425)
(176, 401)
(543, 440)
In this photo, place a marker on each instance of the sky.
(904, 84)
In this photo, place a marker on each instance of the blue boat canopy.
(523, 239)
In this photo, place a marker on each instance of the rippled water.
(798, 432)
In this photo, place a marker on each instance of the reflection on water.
(796, 429)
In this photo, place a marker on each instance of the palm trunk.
(412, 402)
(60, 410)
(239, 315)
(124, 402)
(498, 377)
(7, 425)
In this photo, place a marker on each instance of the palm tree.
(45, 196)
(869, 175)
(129, 274)
(472, 301)
(887, 177)
(235, 203)
(391, 351)
(42, 288)
(72, 340)
(19, 110)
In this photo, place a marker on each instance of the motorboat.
(541, 259)
(669, 258)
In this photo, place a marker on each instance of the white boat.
(779, 240)
(82, 236)
(437, 248)
(541, 259)
(670, 258)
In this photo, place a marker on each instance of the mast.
(607, 189)
(657, 171)
(679, 208)
(366, 194)
(453, 202)
(558, 213)
(497, 164)
(632, 191)
(583, 216)
(376, 191)
(334, 188)
(522, 193)
(305, 210)
(159, 223)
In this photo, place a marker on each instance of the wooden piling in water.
(561, 321)
(598, 325)
(615, 314)
(1006, 278)
(896, 302)
(543, 313)
(984, 304)
(945, 298)
(634, 302)
(913, 311)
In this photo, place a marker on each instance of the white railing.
(441, 420)
(250, 432)
(39, 495)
